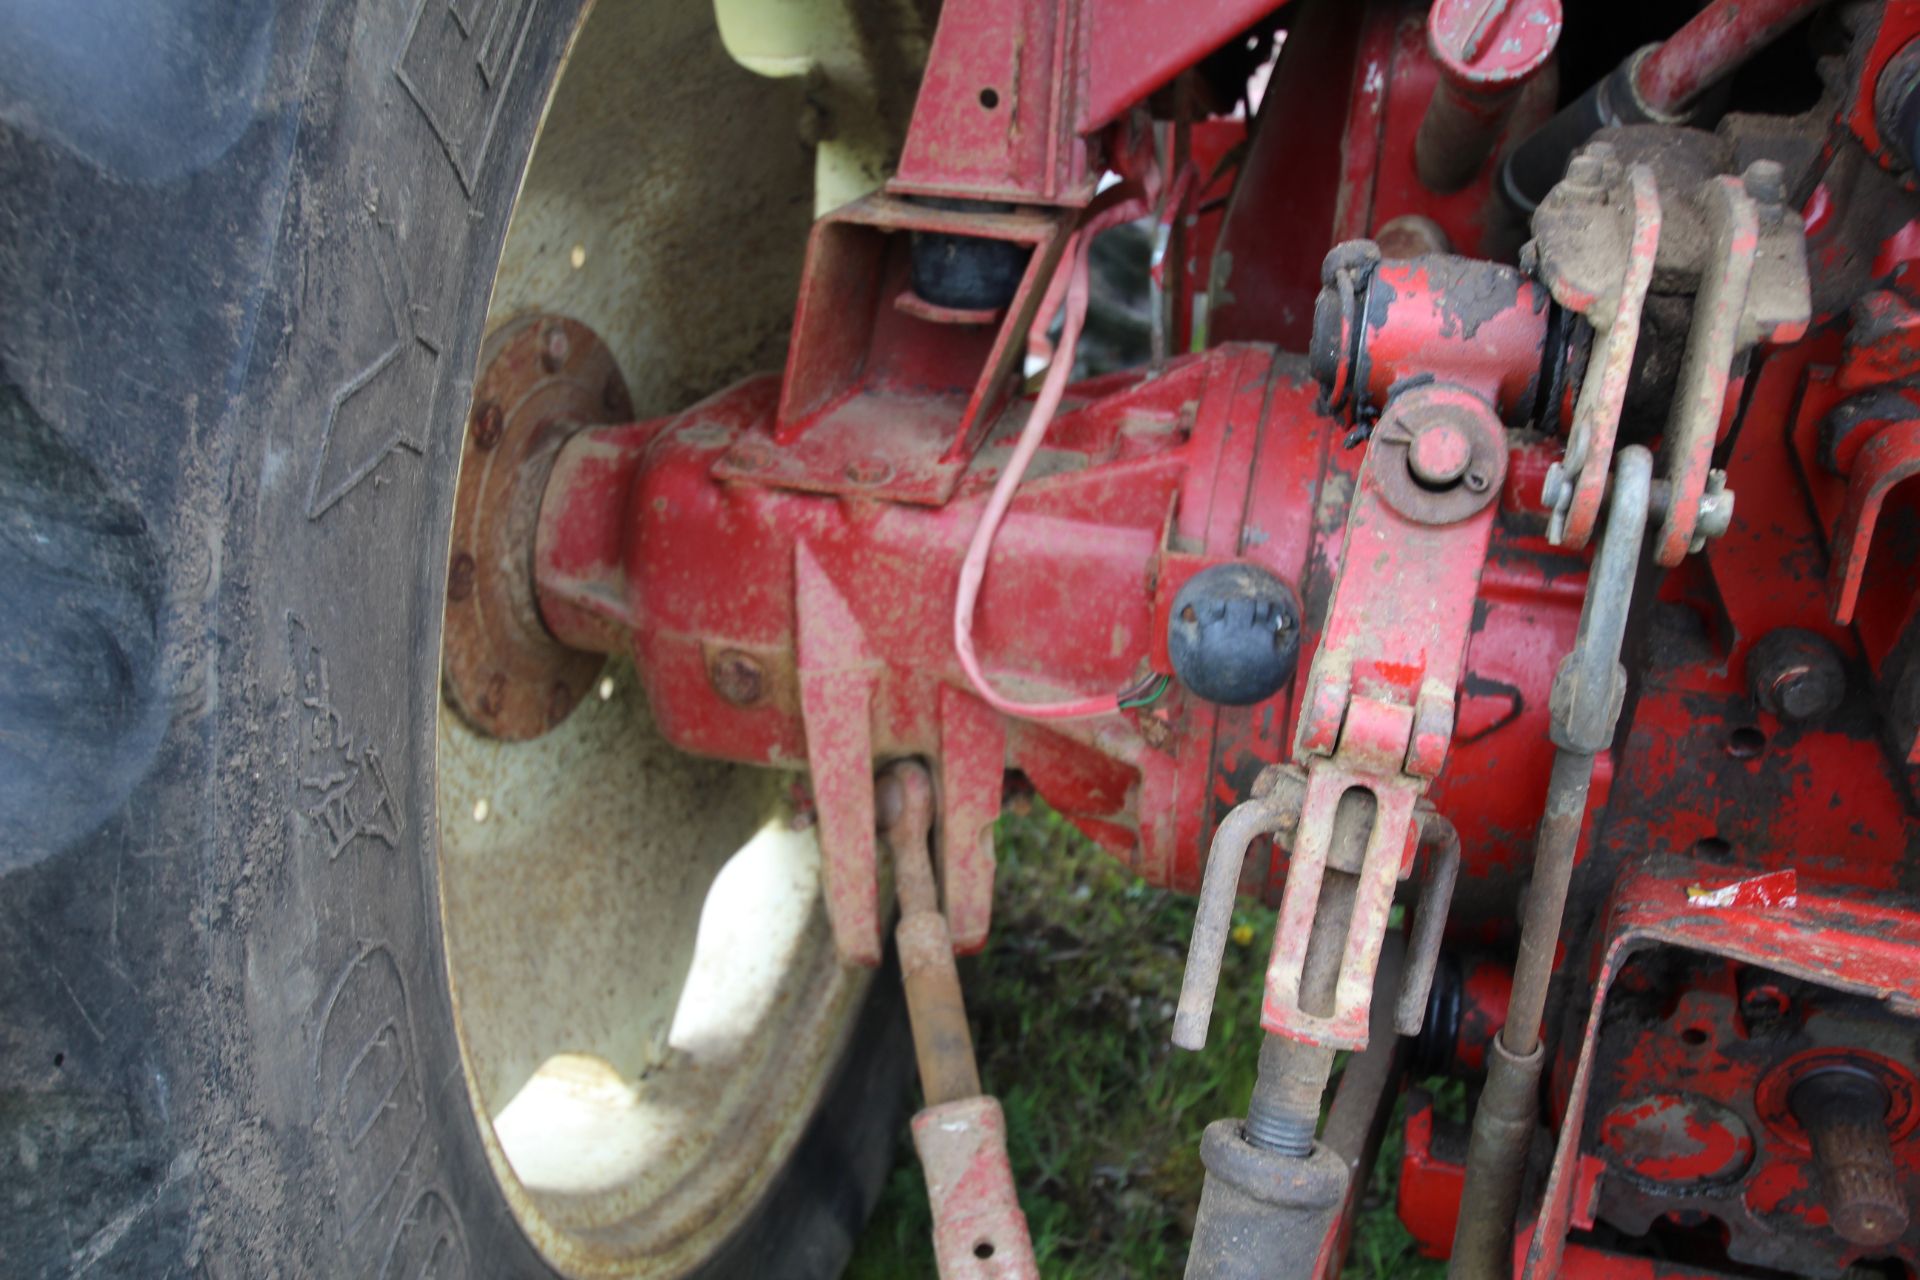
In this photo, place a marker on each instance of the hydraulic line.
(1711, 47)
(1657, 84)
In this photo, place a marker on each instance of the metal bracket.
(1596, 239)
(1601, 238)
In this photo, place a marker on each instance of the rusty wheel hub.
(542, 379)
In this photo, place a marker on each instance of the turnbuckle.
(979, 1232)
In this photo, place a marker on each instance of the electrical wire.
(1072, 280)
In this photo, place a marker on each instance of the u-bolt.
(1278, 810)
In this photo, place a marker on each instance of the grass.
(1071, 1006)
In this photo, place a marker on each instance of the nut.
(460, 577)
(737, 677)
(868, 471)
(488, 422)
(1766, 182)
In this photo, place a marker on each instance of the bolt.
(737, 677)
(1554, 489)
(1766, 182)
(1583, 173)
(1439, 455)
(1411, 235)
(1716, 509)
(554, 348)
(750, 457)
(488, 424)
(1762, 1001)
(1844, 1111)
(868, 471)
(460, 577)
(1796, 675)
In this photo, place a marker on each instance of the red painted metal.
(998, 106)
(1709, 47)
(978, 1228)
(1484, 331)
(1301, 191)
(810, 530)
(1487, 45)
(1015, 89)
(1427, 1190)
(886, 400)
(1484, 990)
(1143, 44)
(1704, 1045)
(1486, 52)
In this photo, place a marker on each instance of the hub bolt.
(737, 677)
(1796, 675)
(1845, 1115)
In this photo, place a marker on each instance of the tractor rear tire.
(246, 255)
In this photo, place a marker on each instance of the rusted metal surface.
(1797, 675)
(1276, 811)
(979, 1230)
(942, 1043)
(1720, 314)
(1362, 1102)
(1265, 1214)
(1442, 454)
(1265, 1211)
(1846, 1113)
(542, 378)
(1429, 922)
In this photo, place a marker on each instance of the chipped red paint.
(1706, 1062)
(640, 531)
(1676, 1139)
(813, 525)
